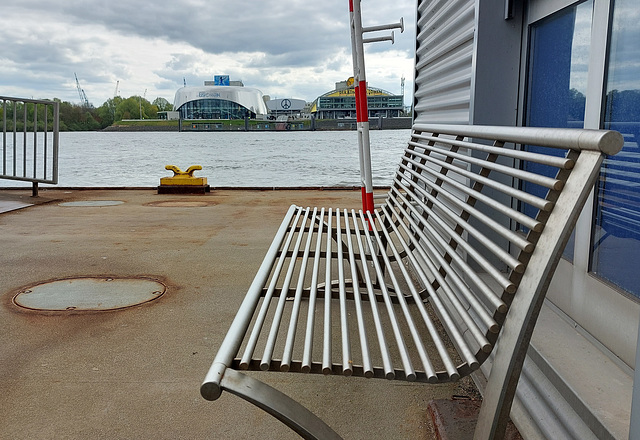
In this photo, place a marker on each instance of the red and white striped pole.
(362, 105)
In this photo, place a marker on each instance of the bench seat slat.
(347, 363)
(382, 342)
(466, 353)
(391, 315)
(450, 284)
(364, 344)
(308, 339)
(326, 345)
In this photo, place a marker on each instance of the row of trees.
(76, 117)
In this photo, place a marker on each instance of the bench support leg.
(279, 405)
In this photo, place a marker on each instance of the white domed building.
(219, 102)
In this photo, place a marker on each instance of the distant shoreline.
(129, 128)
(319, 125)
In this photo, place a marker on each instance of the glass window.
(557, 80)
(616, 233)
(214, 109)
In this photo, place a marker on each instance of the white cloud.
(290, 48)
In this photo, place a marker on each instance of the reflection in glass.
(616, 233)
(557, 80)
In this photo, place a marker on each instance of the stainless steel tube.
(277, 318)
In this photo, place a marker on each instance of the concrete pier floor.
(135, 373)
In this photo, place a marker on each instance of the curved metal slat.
(430, 242)
(255, 333)
(538, 179)
(504, 256)
(364, 343)
(416, 239)
(277, 318)
(466, 353)
(308, 340)
(504, 232)
(380, 334)
(538, 202)
(488, 201)
(496, 274)
(347, 363)
(544, 159)
(326, 341)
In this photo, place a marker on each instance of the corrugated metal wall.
(444, 60)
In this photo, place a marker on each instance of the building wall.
(472, 67)
(444, 61)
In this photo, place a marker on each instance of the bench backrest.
(463, 249)
(475, 208)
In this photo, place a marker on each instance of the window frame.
(586, 299)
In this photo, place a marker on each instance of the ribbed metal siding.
(444, 59)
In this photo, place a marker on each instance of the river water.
(228, 159)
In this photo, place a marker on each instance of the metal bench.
(424, 287)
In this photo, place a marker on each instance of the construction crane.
(83, 96)
(145, 98)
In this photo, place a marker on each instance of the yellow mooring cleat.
(183, 182)
(182, 178)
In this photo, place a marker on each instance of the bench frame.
(586, 148)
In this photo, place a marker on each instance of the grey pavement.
(135, 373)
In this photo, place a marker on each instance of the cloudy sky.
(285, 48)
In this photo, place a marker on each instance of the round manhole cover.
(89, 294)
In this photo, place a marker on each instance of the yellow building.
(341, 103)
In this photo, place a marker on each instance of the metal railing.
(30, 138)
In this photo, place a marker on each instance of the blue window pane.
(616, 233)
(557, 82)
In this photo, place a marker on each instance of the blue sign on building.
(221, 80)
